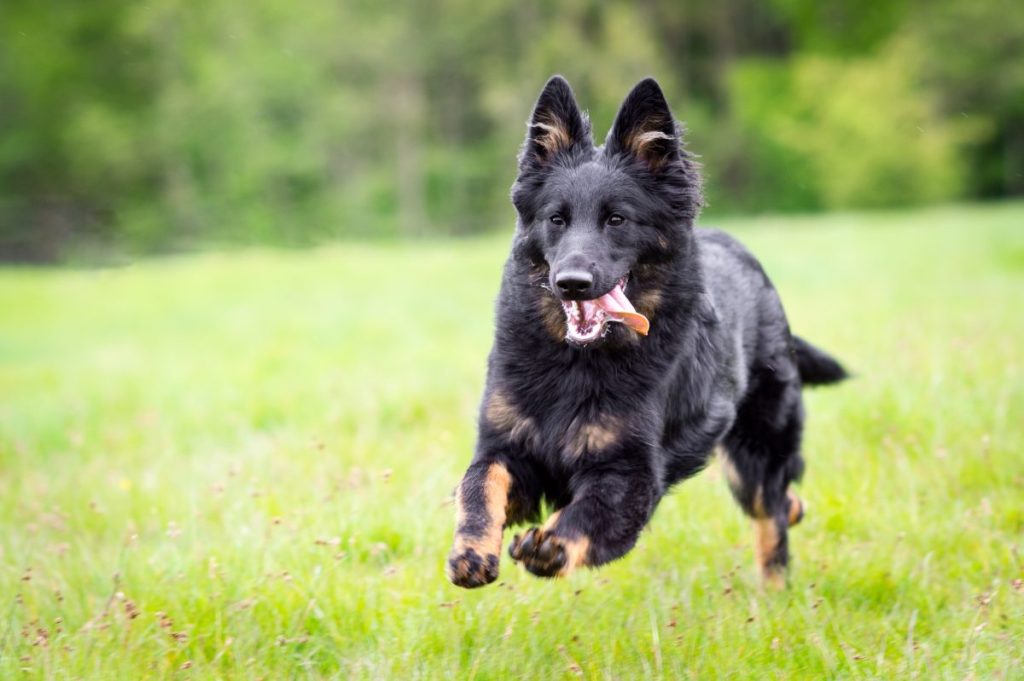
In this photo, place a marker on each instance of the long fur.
(602, 432)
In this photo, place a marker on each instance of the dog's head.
(593, 219)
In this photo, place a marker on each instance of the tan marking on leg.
(796, 508)
(594, 437)
(462, 565)
(495, 488)
(758, 506)
(732, 476)
(575, 554)
(575, 549)
(766, 540)
(550, 522)
(504, 417)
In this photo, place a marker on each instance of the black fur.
(602, 431)
(816, 367)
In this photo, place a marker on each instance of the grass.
(238, 465)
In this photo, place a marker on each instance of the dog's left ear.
(644, 127)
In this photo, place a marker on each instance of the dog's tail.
(816, 367)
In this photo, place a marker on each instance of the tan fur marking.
(758, 508)
(766, 540)
(796, 508)
(575, 554)
(495, 489)
(639, 140)
(732, 476)
(594, 437)
(504, 416)
(553, 316)
(648, 302)
(575, 549)
(550, 522)
(555, 137)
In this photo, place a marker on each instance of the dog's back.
(751, 317)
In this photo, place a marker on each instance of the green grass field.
(239, 465)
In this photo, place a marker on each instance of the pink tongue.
(618, 307)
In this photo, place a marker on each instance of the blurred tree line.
(151, 125)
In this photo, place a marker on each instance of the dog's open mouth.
(587, 320)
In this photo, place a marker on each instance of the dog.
(629, 347)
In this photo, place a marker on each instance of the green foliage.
(834, 134)
(752, 167)
(160, 125)
(869, 136)
(841, 26)
(971, 55)
(243, 463)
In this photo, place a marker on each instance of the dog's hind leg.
(761, 458)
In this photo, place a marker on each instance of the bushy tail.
(816, 366)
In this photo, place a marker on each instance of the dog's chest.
(580, 429)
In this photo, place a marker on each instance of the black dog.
(600, 407)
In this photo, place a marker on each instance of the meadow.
(239, 465)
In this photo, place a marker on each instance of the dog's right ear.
(556, 125)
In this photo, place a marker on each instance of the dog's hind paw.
(795, 508)
(469, 569)
(547, 555)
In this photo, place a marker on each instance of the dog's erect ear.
(644, 127)
(556, 125)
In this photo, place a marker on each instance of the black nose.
(574, 282)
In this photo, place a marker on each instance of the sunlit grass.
(239, 465)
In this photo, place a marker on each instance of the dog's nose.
(574, 282)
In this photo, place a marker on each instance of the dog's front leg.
(610, 506)
(481, 502)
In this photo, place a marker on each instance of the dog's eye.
(557, 220)
(614, 220)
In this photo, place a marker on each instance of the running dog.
(629, 347)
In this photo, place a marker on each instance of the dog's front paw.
(548, 555)
(542, 554)
(469, 569)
